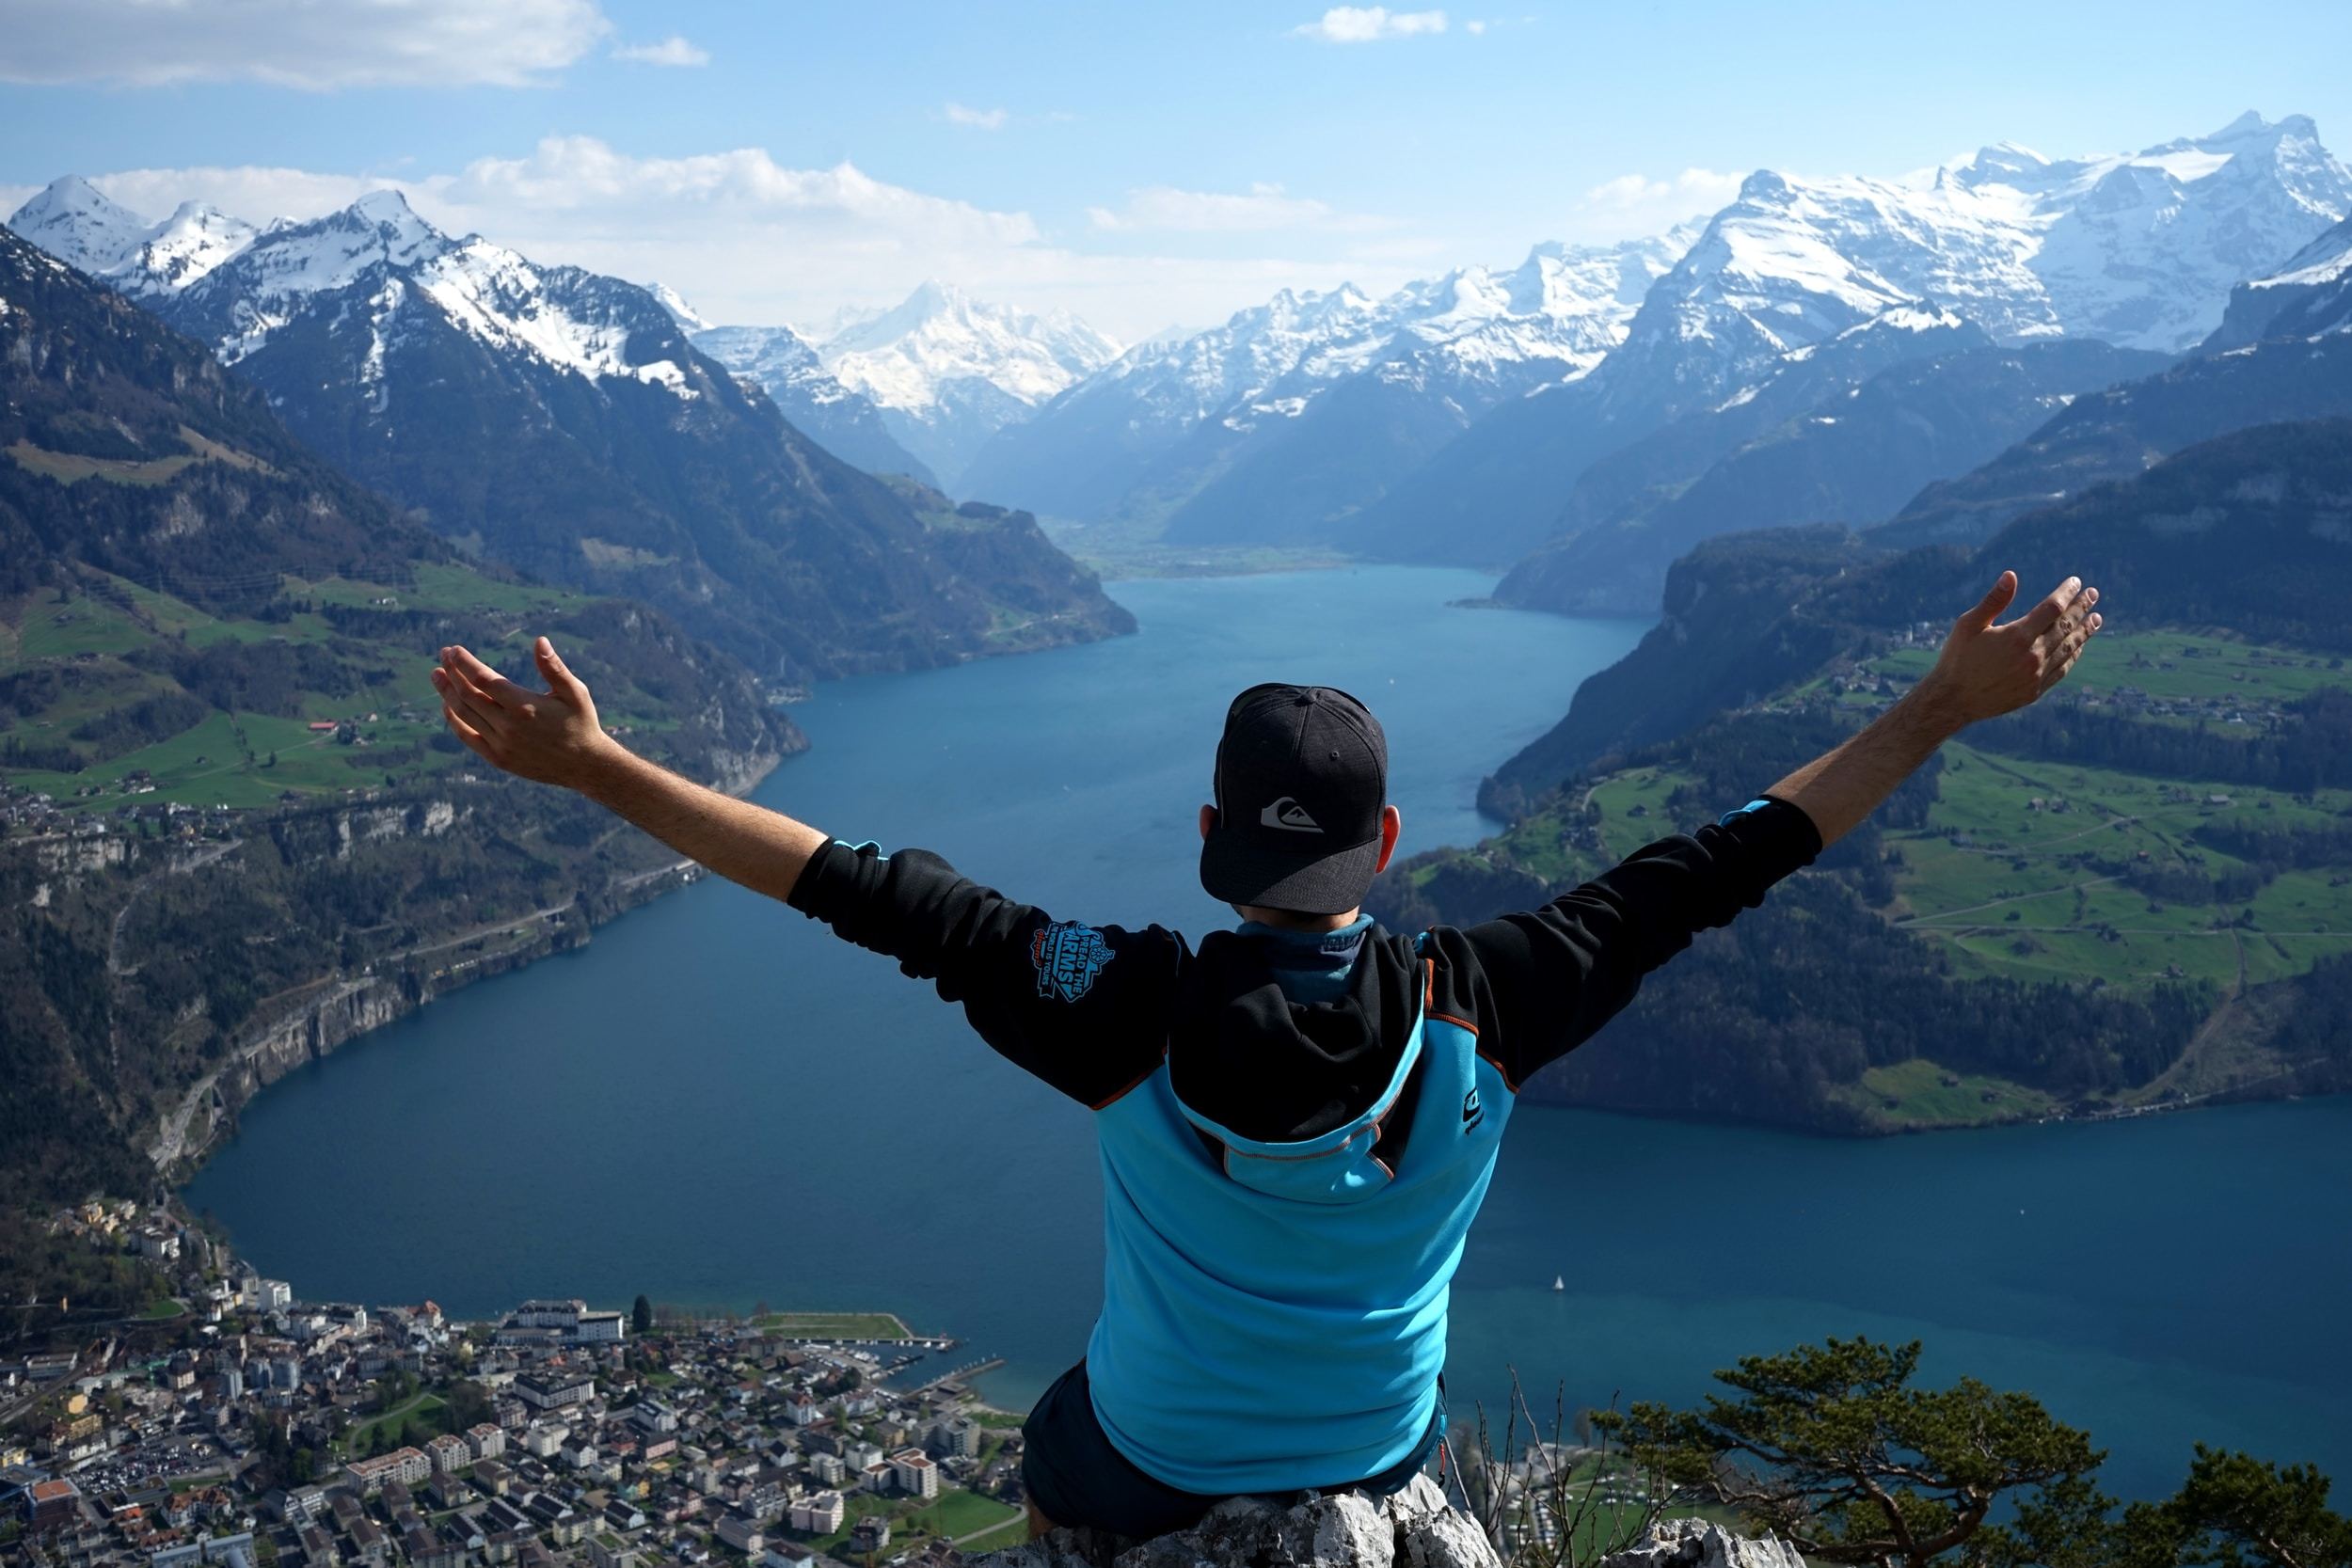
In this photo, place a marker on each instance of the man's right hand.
(1986, 670)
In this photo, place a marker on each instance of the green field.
(836, 1325)
(66, 468)
(1009, 1534)
(957, 1513)
(2175, 666)
(1918, 1094)
(421, 1405)
(2032, 891)
(2025, 868)
(856, 1506)
(2037, 872)
(105, 639)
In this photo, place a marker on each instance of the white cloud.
(748, 239)
(1704, 187)
(1370, 23)
(1476, 26)
(978, 119)
(673, 50)
(589, 182)
(296, 43)
(1260, 208)
(258, 192)
(1635, 204)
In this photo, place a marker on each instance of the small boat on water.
(1559, 1282)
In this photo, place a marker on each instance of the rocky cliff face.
(1415, 1528)
(1697, 1543)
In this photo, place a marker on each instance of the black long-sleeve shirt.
(1090, 1009)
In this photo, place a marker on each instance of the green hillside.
(111, 692)
(2189, 900)
(234, 833)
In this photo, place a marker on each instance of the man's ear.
(1392, 824)
(1208, 821)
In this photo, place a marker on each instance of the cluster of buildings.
(260, 1431)
(2134, 702)
(37, 814)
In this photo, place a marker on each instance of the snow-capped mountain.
(233, 284)
(785, 366)
(560, 421)
(2310, 296)
(1826, 451)
(948, 370)
(1149, 436)
(680, 313)
(73, 221)
(2283, 354)
(597, 327)
(2138, 249)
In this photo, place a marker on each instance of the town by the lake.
(237, 1424)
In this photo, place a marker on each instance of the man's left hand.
(552, 735)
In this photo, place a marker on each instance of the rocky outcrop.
(1410, 1529)
(1414, 1527)
(1700, 1544)
(339, 1012)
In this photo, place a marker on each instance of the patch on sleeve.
(1068, 957)
(1756, 804)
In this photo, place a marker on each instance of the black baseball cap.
(1302, 772)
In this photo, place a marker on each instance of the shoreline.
(340, 1010)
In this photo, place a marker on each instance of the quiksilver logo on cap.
(1289, 816)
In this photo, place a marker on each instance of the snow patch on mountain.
(237, 283)
(73, 220)
(503, 300)
(2325, 260)
(948, 372)
(776, 357)
(2138, 249)
(787, 367)
(185, 247)
(1562, 309)
(938, 335)
(680, 313)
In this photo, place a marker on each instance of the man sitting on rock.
(1297, 1117)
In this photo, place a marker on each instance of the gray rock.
(1063, 1548)
(1412, 1528)
(1701, 1543)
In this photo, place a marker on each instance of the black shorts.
(1075, 1476)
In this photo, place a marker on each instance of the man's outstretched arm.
(1983, 671)
(1552, 976)
(1063, 1002)
(555, 737)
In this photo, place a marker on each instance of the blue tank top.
(1275, 1313)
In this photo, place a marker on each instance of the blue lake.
(715, 1103)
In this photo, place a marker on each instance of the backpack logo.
(1472, 1112)
(1068, 957)
(1289, 816)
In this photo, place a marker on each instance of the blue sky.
(1144, 165)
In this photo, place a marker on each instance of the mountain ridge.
(1153, 436)
(562, 421)
(2022, 245)
(948, 370)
